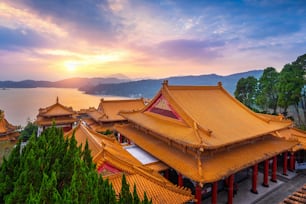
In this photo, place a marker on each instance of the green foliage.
(29, 130)
(246, 91)
(51, 169)
(106, 132)
(267, 90)
(290, 86)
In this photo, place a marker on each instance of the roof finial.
(219, 83)
(57, 99)
(165, 83)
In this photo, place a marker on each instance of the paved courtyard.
(275, 193)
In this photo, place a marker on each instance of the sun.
(71, 66)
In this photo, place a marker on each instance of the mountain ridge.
(147, 88)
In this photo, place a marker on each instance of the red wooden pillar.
(230, 189)
(266, 173)
(198, 193)
(274, 169)
(285, 155)
(180, 180)
(214, 192)
(292, 162)
(166, 175)
(254, 179)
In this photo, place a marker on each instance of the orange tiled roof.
(5, 126)
(109, 109)
(208, 167)
(108, 150)
(159, 192)
(201, 116)
(298, 197)
(294, 133)
(56, 109)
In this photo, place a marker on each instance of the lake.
(22, 104)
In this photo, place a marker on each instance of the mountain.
(66, 83)
(148, 88)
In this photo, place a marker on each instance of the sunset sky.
(57, 39)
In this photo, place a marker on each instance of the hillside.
(148, 88)
(66, 83)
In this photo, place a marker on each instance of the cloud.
(185, 49)
(11, 39)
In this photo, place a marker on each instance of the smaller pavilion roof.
(58, 112)
(56, 109)
(294, 133)
(5, 126)
(108, 109)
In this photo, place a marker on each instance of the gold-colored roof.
(108, 150)
(108, 109)
(56, 109)
(213, 166)
(159, 192)
(294, 133)
(5, 126)
(297, 197)
(201, 116)
(58, 121)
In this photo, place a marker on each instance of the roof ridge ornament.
(165, 83)
(219, 83)
(56, 99)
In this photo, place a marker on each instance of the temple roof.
(108, 109)
(5, 126)
(213, 166)
(202, 116)
(56, 109)
(108, 151)
(294, 133)
(57, 112)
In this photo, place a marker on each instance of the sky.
(57, 39)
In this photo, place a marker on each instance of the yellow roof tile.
(213, 167)
(56, 109)
(204, 116)
(109, 109)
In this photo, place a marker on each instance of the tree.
(51, 169)
(28, 131)
(267, 90)
(291, 82)
(246, 90)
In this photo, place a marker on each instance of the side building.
(106, 115)
(7, 130)
(63, 117)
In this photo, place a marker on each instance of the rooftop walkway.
(275, 193)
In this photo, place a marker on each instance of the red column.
(274, 169)
(180, 180)
(254, 179)
(230, 189)
(166, 175)
(285, 155)
(292, 162)
(198, 193)
(266, 174)
(214, 193)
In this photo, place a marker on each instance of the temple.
(7, 130)
(107, 115)
(112, 161)
(209, 139)
(62, 116)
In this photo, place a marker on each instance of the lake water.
(23, 103)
